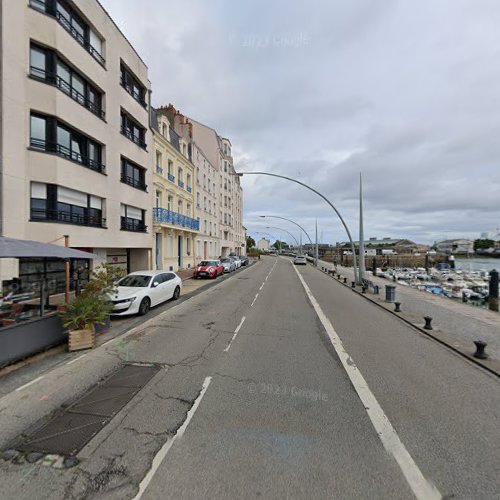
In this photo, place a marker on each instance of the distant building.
(263, 245)
(454, 246)
(374, 246)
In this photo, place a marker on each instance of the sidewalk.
(453, 321)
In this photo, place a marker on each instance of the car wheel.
(177, 293)
(145, 306)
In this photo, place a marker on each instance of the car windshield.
(205, 263)
(226, 261)
(136, 280)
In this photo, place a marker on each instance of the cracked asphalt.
(280, 417)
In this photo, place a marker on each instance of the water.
(475, 264)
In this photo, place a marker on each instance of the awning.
(16, 249)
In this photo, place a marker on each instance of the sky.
(406, 93)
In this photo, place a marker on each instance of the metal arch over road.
(353, 249)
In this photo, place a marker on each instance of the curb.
(485, 364)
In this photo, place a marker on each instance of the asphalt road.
(305, 390)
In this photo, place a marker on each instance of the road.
(277, 383)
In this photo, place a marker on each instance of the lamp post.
(289, 220)
(353, 249)
(281, 229)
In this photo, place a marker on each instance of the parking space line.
(29, 383)
(76, 359)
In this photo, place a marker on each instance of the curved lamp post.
(289, 220)
(281, 229)
(353, 249)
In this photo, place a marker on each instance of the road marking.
(253, 302)
(261, 286)
(160, 456)
(76, 359)
(29, 383)
(235, 333)
(421, 487)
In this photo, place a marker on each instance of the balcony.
(159, 170)
(134, 138)
(64, 152)
(134, 225)
(136, 183)
(171, 178)
(44, 215)
(189, 189)
(180, 183)
(166, 216)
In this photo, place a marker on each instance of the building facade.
(174, 222)
(75, 134)
(263, 245)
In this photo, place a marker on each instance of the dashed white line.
(29, 383)
(76, 359)
(160, 456)
(253, 302)
(261, 286)
(421, 487)
(235, 333)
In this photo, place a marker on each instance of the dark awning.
(13, 248)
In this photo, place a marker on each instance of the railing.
(129, 135)
(181, 183)
(135, 94)
(64, 152)
(135, 225)
(171, 178)
(133, 182)
(189, 189)
(54, 79)
(66, 217)
(170, 217)
(159, 170)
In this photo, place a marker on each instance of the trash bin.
(390, 293)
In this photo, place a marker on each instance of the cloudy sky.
(406, 92)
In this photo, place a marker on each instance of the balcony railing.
(55, 80)
(189, 189)
(137, 95)
(171, 178)
(135, 225)
(134, 182)
(170, 217)
(64, 152)
(67, 217)
(180, 183)
(159, 170)
(137, 140)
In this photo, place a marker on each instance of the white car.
(300, 260)
(237, 260)
(141, 290)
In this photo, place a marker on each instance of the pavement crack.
(236, 379)
(173, 398)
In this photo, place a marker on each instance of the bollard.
(376, 289)
(363, 289)
(428, 321)
(353, 284)
(493, 301)
(398, 307)
(480, 347)
(390, 293)
(345, 280)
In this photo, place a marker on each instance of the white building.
(74, 134)
(455, 246)
(263, 245)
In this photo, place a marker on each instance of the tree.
(280, 244)
(250, 242)
(483, 244)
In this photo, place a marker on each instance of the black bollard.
(398, 307)
(493, 291)
(353, 284)
(345, 280)
(480, 347)
(428, 321)
(363, 289)
(376, 289)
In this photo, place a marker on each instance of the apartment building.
(75, 139)
(175, 227)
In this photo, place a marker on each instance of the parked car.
(237, 260)
(208, 269)
(244, 260)
(141, 290)
(229, 264)
(300, 260)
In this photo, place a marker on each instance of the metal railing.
(180, 183)
(189, 189)
(171, 178)
(133, 182)
(129, 135)
(159, 170)
(67, 217)
(170, 217)
(135, 225)
(64, 152)
(135, 94)
(54, 79)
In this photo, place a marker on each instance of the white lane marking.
(235, 333)
(112, 340)
(421, 487)
(253, 302)
(261, 286)
(29, 383)
(76, 359)
(160, 456)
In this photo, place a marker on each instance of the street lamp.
(281, 229)
(289, 220)
(353, 249)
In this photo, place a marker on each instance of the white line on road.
(76, 359)
(421, 487)
(160, 456)
(253, 302)
(29, 383)
(235, 333)
(261, 286)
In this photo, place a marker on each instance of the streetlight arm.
(281, 229)
(289, 220)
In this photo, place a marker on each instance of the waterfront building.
(374, 246)
(74, 134)
(174, 222)
(454, 246)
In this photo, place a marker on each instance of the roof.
(11, 248)
(388, 241)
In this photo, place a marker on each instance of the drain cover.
(69, 432)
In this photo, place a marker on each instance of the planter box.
(30, 337)
(81, 339)
(103, 328)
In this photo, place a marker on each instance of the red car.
(208, 269)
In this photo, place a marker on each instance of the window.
(132, 219)
(53, 203)
(52, 136)
(47, 66)
(133, 174)
(131, 84)
(133, 131)
(170, 204)
(77, 27)
(158, 199)
(198, 200)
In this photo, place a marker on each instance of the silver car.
(300, 260)
(229, 264)
(237, 260)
